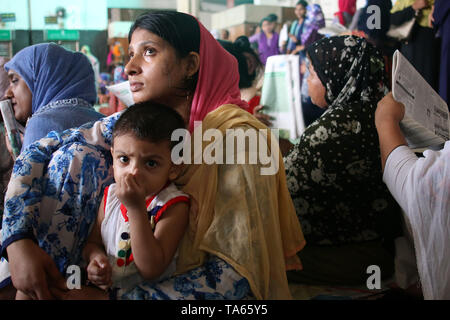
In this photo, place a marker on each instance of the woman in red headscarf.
(243, 233)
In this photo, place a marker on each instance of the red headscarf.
(218, 79)
(345, 6)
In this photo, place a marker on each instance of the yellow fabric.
(423, 17)
(241, 216)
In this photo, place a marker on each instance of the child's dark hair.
(149, 121)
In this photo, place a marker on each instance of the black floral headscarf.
(334, 172)
(349, 67)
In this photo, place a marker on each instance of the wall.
(140, 4)
(20, 8)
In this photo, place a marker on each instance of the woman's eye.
(149, 52)
(123, 159)
(152, 163)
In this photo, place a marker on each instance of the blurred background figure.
(347, 9)
(225, 35)
(94, 62)
(377, 36)
(295, 34)
(422, 49)
(440, 20)
(267, 39)
(305, 30)
(251, 70)
(103, 93)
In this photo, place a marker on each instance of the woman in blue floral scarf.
(57, 183)
(334, 174)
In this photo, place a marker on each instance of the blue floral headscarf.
(53, 73)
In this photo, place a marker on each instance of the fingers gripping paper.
(426, 122)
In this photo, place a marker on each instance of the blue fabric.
(58, 186)
(53, 73)
(58, 116)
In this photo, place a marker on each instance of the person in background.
(94, 62)
(295, 44)
(314, 20)
(440, 20)
(250, 70)
(103, 93)
(225, 35)
(267, 39)
(347, 9)
(422, 49)
(305, 30)
(377, 36)
(333, 173)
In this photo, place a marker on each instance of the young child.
(143, 215)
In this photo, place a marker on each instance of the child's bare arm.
(94, 243)
(99, 270)
(153, 252)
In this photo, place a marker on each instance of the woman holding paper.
(334, 174)
(422, 188)
(51, 89)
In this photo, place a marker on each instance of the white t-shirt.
(422, 188)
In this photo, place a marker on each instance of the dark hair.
(237, 48)
(272, 17)
(149, 121)
(180, 30)
(302, 2)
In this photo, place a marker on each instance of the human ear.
(192, 63)
(175, 170)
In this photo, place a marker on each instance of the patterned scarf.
(350, 68)
(334, 173)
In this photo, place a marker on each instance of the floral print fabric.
(334, 172)
(53, 197)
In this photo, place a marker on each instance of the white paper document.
(123, 92)
(281, 95)
(426, 122)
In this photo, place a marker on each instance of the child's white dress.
(115, 231)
